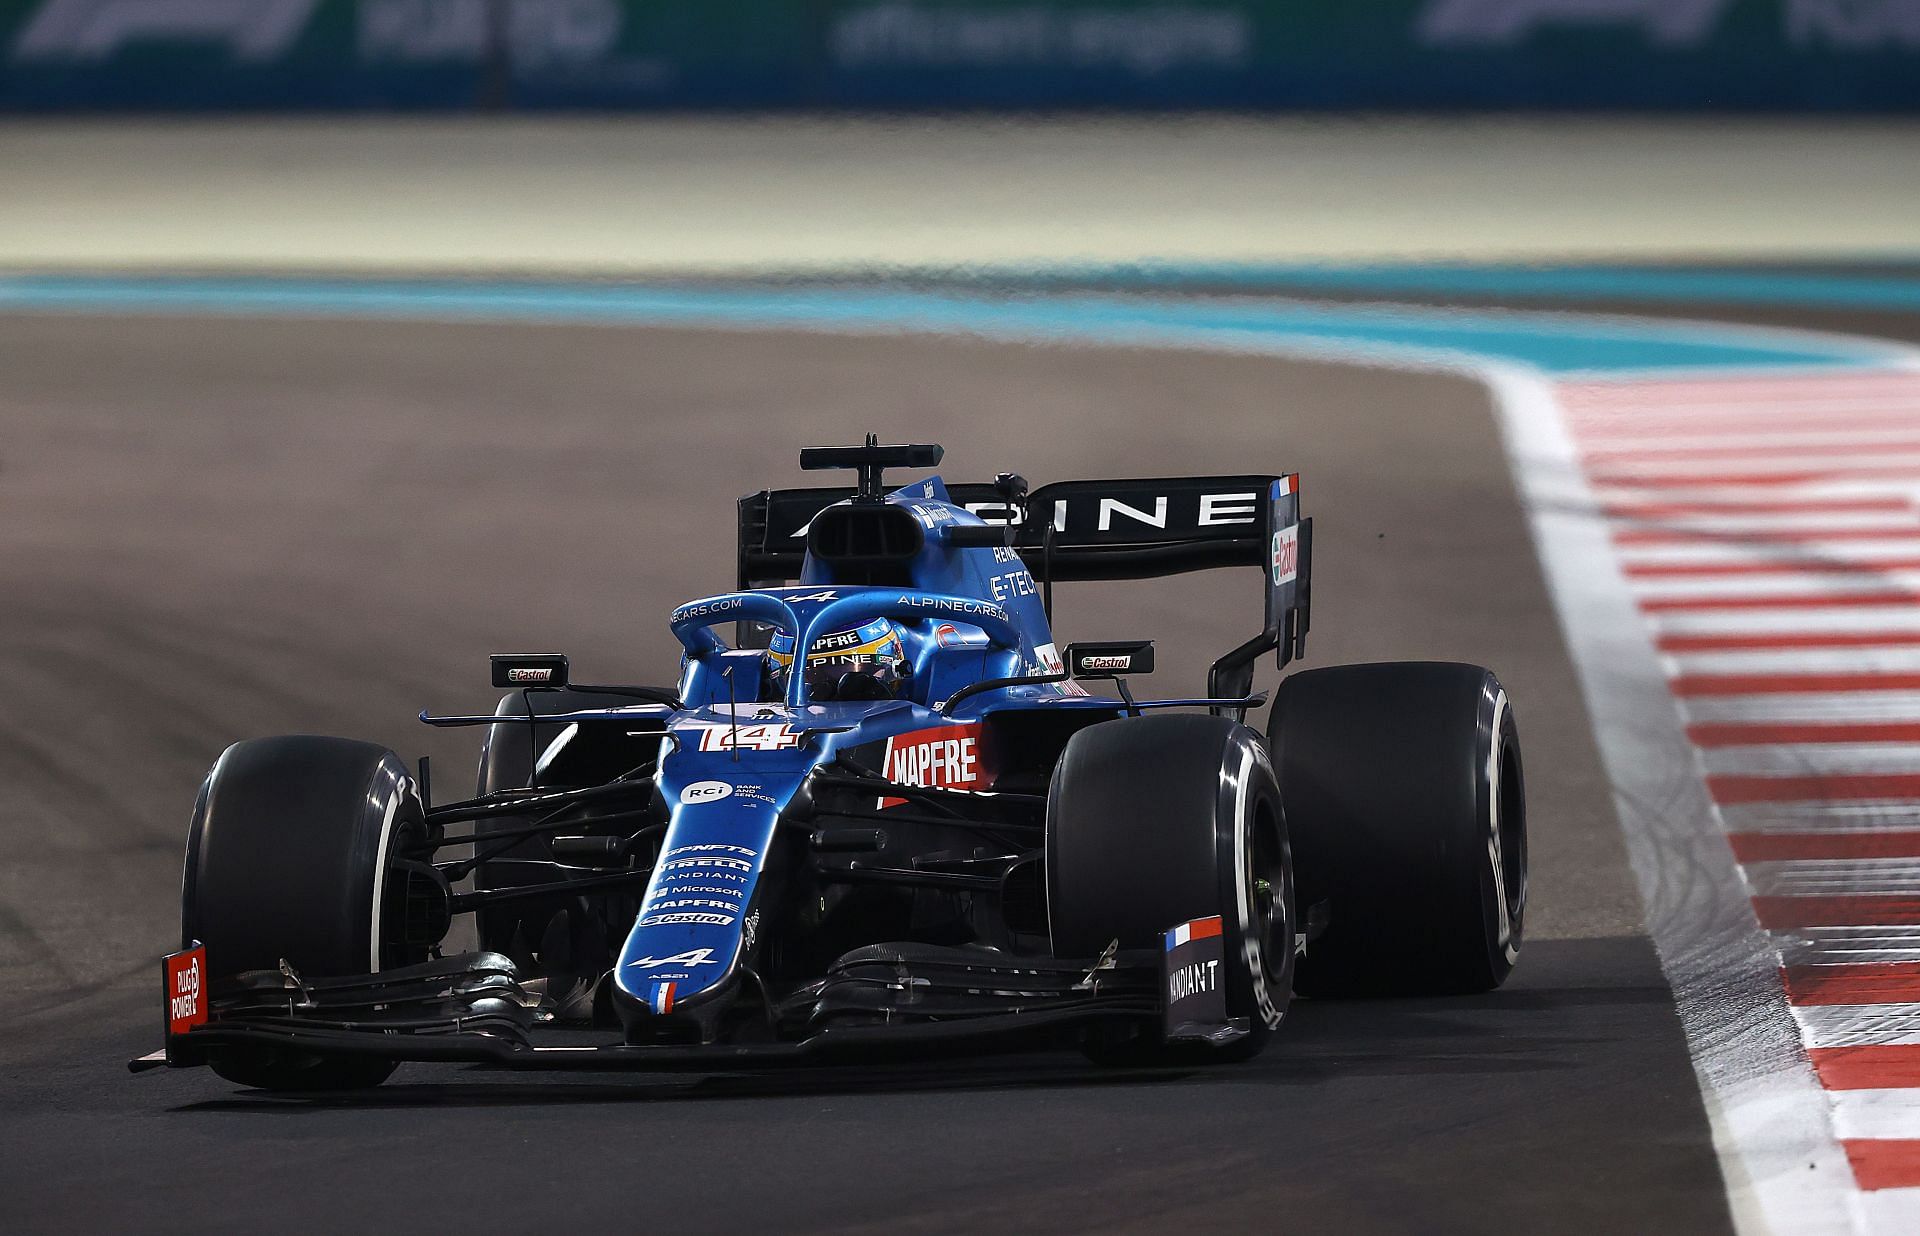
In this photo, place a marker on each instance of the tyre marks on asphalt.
(1767, 530)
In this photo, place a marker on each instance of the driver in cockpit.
(867, 662)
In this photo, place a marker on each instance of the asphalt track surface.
(216, 529)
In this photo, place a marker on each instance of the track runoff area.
(1729, 518)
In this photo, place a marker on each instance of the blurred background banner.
(451, 54)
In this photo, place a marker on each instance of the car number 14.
(749, 738)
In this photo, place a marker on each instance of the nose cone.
(698, 922)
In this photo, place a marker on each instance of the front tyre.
(1155, 821)
(295, 853)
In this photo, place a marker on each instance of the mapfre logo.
(946, 757)
(256, 31)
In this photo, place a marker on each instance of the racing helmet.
(867, 662)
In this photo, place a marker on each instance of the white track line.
(1796, 409)
(1876, 1113)
(1736, 498)
(1796, 661)
(1759, 553)
(1830, 876)
(1672, 402)
(1820, 817)
(1848, 945)
(1811, 707)
(1889, 1210)
(1838, 525)
(1736, 587)
(1897, 430)
(1801, 621)
(1813, 759)
(1856, 459)
(1859, 1025)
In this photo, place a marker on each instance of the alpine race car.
(886, 814)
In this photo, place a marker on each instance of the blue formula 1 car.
(878, 812)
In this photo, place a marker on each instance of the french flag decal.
(661, 997)
(1198, 929)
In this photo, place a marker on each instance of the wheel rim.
(1511, 836)
(1272, 908)
(415, 912)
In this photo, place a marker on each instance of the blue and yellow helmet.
(873, 650)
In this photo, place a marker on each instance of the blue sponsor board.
(1802, 54)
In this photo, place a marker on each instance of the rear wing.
(1117, 529)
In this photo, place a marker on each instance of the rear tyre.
(292, 855)
(1154, 821)
(1407, 811)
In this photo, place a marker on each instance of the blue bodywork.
(738, 754)
(736, 761)
(851, 831)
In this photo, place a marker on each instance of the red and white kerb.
(1768, 531)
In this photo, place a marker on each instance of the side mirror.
(538, 671)
(1110, 660)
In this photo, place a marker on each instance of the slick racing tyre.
(293, 855)
(1408, 816)
(1155, 821)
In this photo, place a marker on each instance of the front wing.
(883, 1001)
